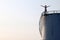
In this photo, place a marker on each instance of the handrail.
(53, 11)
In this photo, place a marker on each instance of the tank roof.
(52, 12)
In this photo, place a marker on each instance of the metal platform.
(51, 12)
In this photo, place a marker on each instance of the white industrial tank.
(49, 25)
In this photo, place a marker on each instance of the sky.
(19, 19)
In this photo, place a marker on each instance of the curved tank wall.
(50, 26)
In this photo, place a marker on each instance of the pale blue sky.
(19, 19)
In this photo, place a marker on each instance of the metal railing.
(53, 11)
